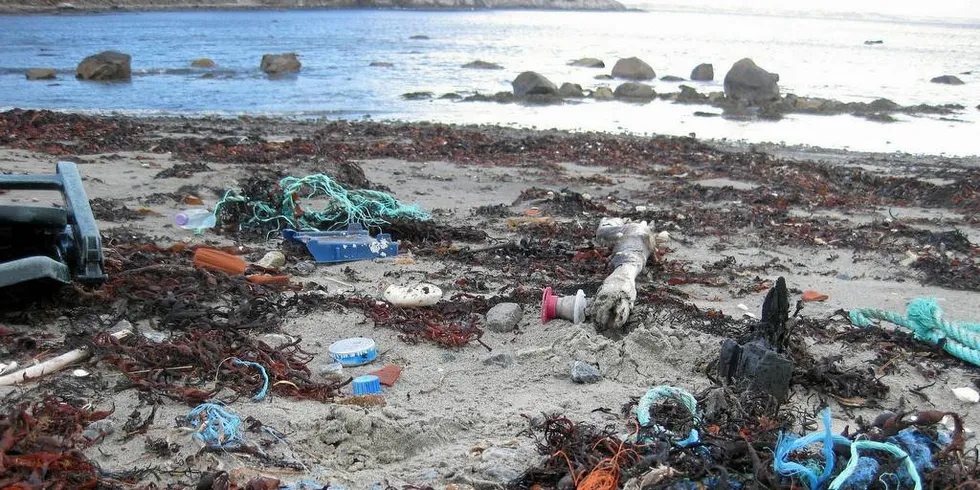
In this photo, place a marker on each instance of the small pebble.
(305, 268)
(583, 372)
(504, 317)
(80, 373)
(502, 360)
(966, 394)
(272, 260)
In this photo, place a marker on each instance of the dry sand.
(455, 416)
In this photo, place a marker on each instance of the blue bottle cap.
(367, 385)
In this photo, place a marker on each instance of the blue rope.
(217, 427)
(852, 464)
(926, 320)
(265, 376)
(664, 392)
(786, 444)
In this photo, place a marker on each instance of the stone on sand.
(583, 372)
(504, 317)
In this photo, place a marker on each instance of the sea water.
(818, 57)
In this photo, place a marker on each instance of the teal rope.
(926, 320)
(265, 376)
(896, 451)
(342, 207)
(664, 392)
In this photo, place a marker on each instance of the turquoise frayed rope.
(342, 206)
(265, 376)
(926, 320)
(215, 425)
(664, 392)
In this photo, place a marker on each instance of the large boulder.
(571, 90)
(633, 69)
(280, 63)
(203, 63)
(948, 80)
(483, 65)
(107, 65)
(748, 84)
(636, 91)
(531, 83)
(705, 72)
(41, 74)
(588, 63)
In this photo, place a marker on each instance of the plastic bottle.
(195, 219)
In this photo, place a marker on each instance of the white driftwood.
(52, 365)
(632, 243)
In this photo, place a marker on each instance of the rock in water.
(583, 372)
(603, 93)
(483, 65)
(671, 78)
(280, 63)
(203, 63)
(689, 94)
(749, 84)
(571, 90)
(703, 72)
(105, 66)
(504, 317)
(531, 83)
(948, 80)
(633, 90)
(382, 64)
(633, 69)
(41, 74)
(588, 63)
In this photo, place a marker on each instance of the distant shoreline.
(87, 7)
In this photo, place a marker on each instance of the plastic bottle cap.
(354, 351)
(367, 385)
(180, 219)
(548, 303)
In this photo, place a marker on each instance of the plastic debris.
(388, 374)
(344, 246)
(809, 296)
(354, 351)
(215, 425)
(367, 385)
(571, 308)
(265, 376)
(966, 394)
(421, 294)
(217, 260)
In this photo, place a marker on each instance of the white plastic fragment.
(966, 394)
(79, 373)
(421, 294)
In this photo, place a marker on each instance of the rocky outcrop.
(604, 77)
(531, 83)
(275, 64)
(635, 91)
(381, 64)
(588, 63)
(747, 83)
(33, 6)
(633, 69)
(705, 72)
(671, 78)
(571, 91)
(105, 66)
(420, 37)
(603, 93)
(947, 80)
(203, 63)
(483, 65)
(417, 95)
(690, 95)
(41, 74)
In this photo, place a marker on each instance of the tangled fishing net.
(311, 203)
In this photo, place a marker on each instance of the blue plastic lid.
(368, 384)
(353, 351)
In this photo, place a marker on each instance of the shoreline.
(32, 9)
(513, 211)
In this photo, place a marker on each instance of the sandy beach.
(513, 211)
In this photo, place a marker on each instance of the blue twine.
(787, 443)
(926, 320)
(217, 427)
(709, 482)
(663, 392)
(309, 485)
(852, 464)
(265, 376)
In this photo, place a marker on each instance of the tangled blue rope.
(926, 320)
(910, 448)
(341, 208)
(664, 392)
(215, 425)
(265, 376)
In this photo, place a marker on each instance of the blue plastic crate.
(352, 244)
